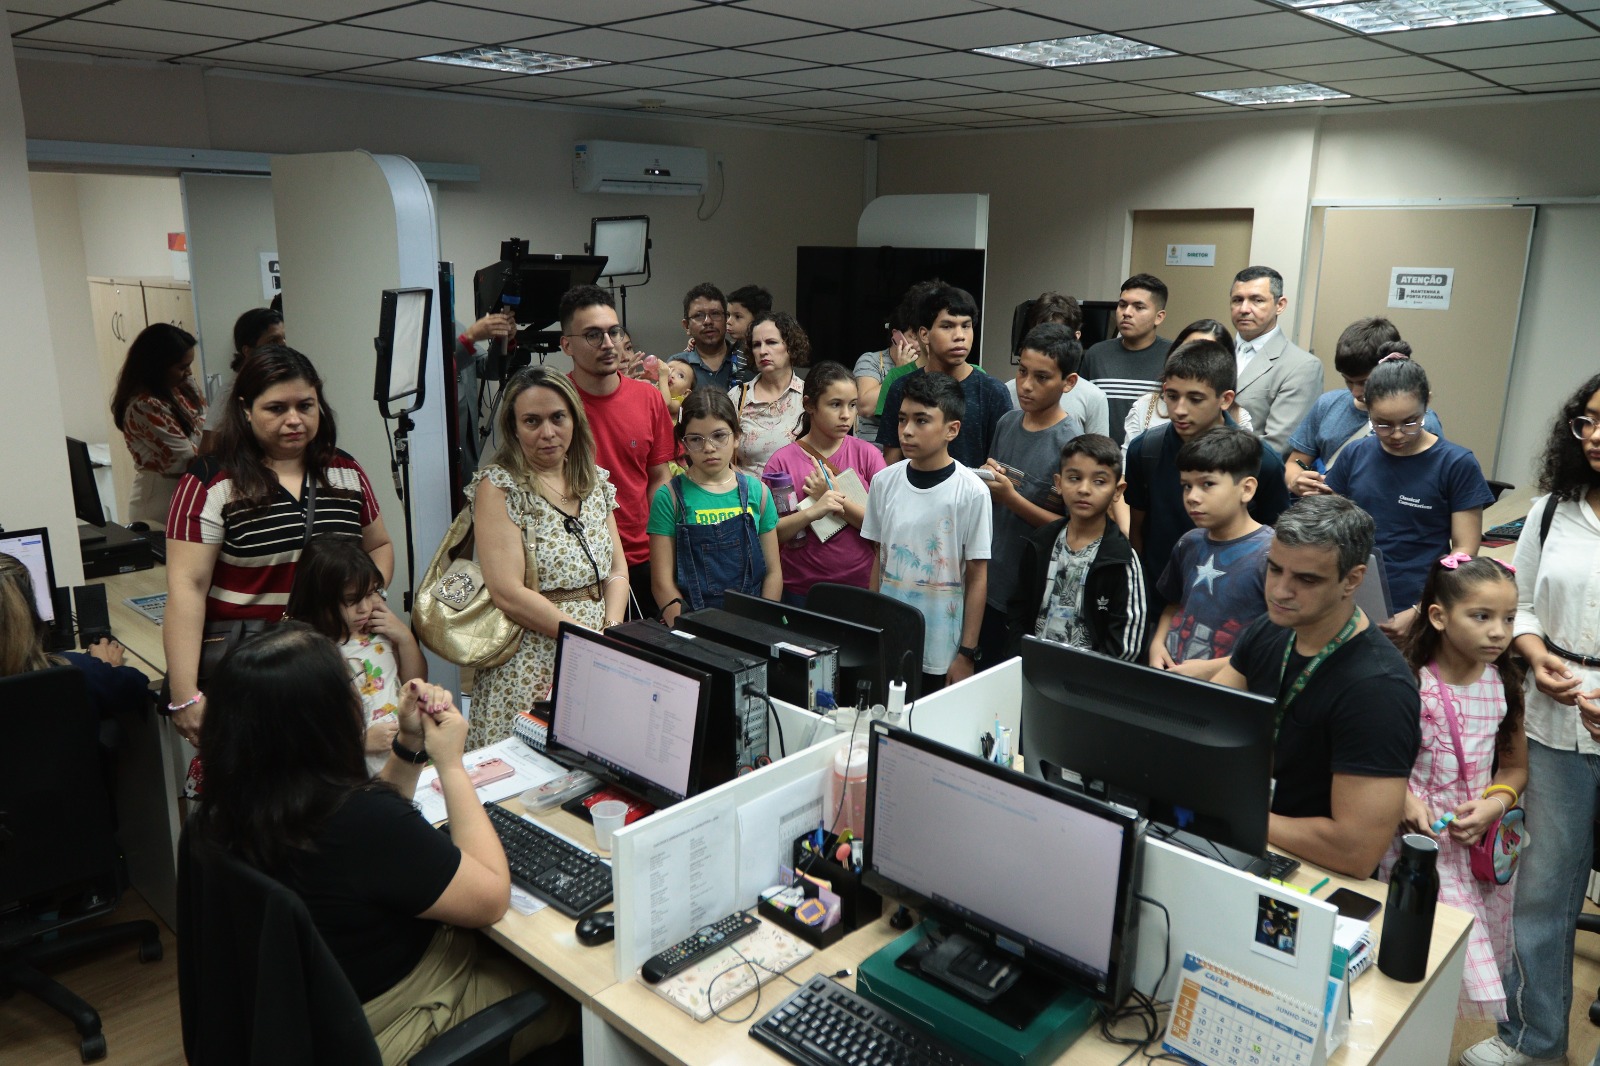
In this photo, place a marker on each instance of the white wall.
(125, 222)
(84, 396)
(34, 490)
(230, 224)
(784, 188)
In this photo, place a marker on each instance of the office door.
(1194, 291)
(1465, 347)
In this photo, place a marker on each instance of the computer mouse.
(597, 928)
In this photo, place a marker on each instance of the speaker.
(94, 620)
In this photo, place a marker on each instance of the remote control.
(698, 945)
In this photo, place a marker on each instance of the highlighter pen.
(1317, 886)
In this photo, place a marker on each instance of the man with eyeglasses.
(705, 320)
(632, 430)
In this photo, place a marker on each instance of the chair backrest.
(903, 637)
(257, 984)
(55, 815)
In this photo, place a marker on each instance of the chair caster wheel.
(1594, 1013)
(93, 1048)
(150, 952)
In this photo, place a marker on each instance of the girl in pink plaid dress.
(1473, 762)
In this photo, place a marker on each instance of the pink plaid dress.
(1436, 779)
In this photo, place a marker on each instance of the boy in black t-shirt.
(1348, 727)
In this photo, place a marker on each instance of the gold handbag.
(454, 614)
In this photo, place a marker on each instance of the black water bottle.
(1408, 915)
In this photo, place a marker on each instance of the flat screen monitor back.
(1186, 753)
(843, 296)
(85, 496)
(861, 645)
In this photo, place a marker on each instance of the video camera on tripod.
(530, 288)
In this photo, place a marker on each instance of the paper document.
(848, 483)
(768, 826)
(688, 881)
(532, 770)
(152, 607)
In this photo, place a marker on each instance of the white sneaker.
(1496, 1052)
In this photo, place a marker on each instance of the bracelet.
(1500, 788)
(174, 708)
(1503, 809)
(615, 577)
(607, 623)
(415, 758)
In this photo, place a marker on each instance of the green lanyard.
(1328, 649)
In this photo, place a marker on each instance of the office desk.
(1394, 1024)
(153, 759)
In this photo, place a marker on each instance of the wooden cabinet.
(122, 307)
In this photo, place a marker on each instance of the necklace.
(558, 493)
(712, 486)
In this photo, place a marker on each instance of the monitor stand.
(991, 980)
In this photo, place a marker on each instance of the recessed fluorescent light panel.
(512, 60)
(1390, 16)
(1276, 94)
(1076, 51)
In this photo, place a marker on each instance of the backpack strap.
(1545, 519)
(677, 492)
(1364, 430)
(1149, 458)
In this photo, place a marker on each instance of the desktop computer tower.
(113, 549)
(798, 666)
(736, 732)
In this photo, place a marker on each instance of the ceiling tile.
(194, 18)
(1174, 102)
(1453, 94)
(727, 63)
(990, 122)
(582, 12)
(983, 100)
(545, 85)
(53, 8)
(821, 98)
(670, 98)
(846, 47)
(211, 65)
(362, 78)
(18, 21)
(279, 55)
(1381, 88)
(1252, 31)
(1132, 14)
(1342, 50)
(161, 42)
(1243, 79)
(1371, 68)
(363, 41)
(911, 89)
(1146, 69)
(1026, 80)
(319, 10)
(983, 29)
(853, 14)
(431, 73)
(1544, 74)
(1565, 86)
(946, 65)
(1060, 109)
(1489, 34)
(827, 77)
(25, 44)
(1102, 91)
(475, 24)
(612, 45)
(724, 25)
(635, 74)
(730, 88)
(893, 107)
(1527, 54)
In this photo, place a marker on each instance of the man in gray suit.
(1278, 382)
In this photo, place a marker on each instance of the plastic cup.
(609, 815)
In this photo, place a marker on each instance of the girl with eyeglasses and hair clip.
(541, 508)
(1425, 493)
(711, 528)
(1558, 580)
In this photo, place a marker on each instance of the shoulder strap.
(818, 456)
(310, 501)
(677, 491)
(1550, 505)
(1453, 719)
(1363, 430)
(1149, 458)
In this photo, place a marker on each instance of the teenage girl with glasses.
(711, 528)
(1425, 493)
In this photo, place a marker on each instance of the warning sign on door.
(1421, 288)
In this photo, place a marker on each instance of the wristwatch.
(972, 653)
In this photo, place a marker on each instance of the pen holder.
(858, 906)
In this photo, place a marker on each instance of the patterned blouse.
(155, 436)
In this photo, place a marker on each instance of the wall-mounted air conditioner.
(642, 169)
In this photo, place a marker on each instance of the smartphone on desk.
(485, 773)
(1353, 904)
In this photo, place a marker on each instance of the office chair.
(59, 861)
(901, 623)
(258, 985)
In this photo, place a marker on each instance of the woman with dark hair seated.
(288, 792)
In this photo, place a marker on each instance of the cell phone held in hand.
(485, 773)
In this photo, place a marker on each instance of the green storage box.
(964, 1025)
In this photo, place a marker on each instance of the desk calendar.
(1220, 1018)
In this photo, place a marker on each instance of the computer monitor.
(85, 495)
(862, 648)
(1039, 874)
(1188, 754)
(631, 717)
(31, 548)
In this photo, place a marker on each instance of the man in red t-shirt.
(633, 435)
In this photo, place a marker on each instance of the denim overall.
(713, 559)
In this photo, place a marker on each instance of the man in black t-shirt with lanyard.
(1348, 708)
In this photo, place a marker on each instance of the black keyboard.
(570, 879)
(1279, 866)
(825, 1024)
